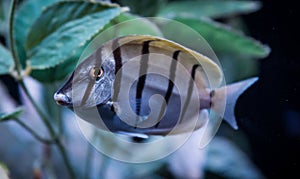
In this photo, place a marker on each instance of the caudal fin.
(233, 91)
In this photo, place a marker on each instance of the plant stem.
(11, 37)
(65, 158)
(104, 166)
(39, 111)
(89, 156)
(32, 132)
(88, 161)
(53, 110)
(44, 117)
(46, 121)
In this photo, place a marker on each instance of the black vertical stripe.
(87, 91)
(143, 69)
(170, 84)
(189, 93)
(118, 68)
(142, 76)
(98, 60)
(117, 55)
(193, 73)
(172, 75)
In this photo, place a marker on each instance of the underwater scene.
(195, 89)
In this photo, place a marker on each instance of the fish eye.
(96, 72)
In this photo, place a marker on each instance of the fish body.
(148, 85)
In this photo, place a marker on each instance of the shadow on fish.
(142, 85)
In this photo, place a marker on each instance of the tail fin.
(233, 91)
(223, 103)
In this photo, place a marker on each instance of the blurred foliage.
(4, 6)
(134, 25)
(12, 115)
(51, 39)
(50, 36)
(26, 15)
(6, 60)
(225, 40)
(145, 7)
(47, 48)
(53, 52)
(228, 161)
(207, 8)
(3, 171)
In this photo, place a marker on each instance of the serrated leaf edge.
(10, 68)
(235, 32)
(113, 5)
(257, 5)
(65, 59)
(63, 2)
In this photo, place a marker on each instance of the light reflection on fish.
(94, 84)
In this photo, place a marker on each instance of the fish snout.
(62, 99)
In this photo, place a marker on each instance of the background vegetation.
(43, 40)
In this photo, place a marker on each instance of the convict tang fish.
(147, 85)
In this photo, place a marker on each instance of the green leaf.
(4, 11)
(132, 24)
(12, 115)
(2, 16)
(208, 8)
(3, 171)
(224, 158)
(147, 8)
(56, 73)
(225, 40)
(124, 24)
(63, 29)
(6, 61)
(236, 69)
(4, 7)
(28, 12)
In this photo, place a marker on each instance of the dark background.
(272, 105)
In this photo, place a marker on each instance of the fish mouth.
(62, 99)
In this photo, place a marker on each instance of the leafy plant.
(46, 39)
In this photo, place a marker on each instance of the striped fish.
(144, 85)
